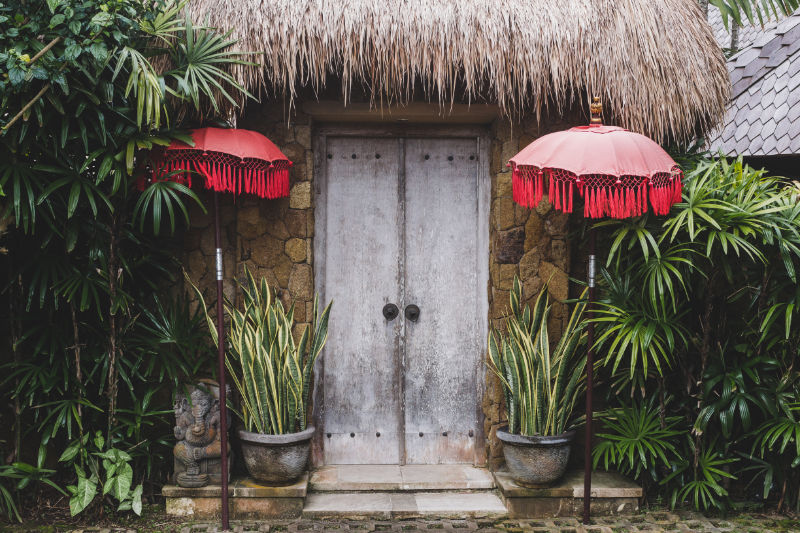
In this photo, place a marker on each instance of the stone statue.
(197, 429)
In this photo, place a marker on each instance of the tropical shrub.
(17, 477)
(272, 373)
(695, 324)
(541, 383)
(87, 88)
(102, 468)
(636, 442)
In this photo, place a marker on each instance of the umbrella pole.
(223, 406)
(587, 469)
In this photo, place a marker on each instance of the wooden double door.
(402, 253)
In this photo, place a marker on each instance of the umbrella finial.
(596, 108)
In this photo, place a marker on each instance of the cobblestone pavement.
(645, 522)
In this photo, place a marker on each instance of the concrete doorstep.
(386, 505)
(354, 478)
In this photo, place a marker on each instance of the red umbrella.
(618, 173)
(229, 160)
(613, 169)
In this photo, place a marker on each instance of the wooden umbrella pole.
(223, 406)
(587, 469)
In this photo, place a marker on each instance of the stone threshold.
(385, 505)
(429, 478)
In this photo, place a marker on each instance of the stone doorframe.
(320, 134)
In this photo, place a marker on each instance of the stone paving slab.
(655, 522)
(403, 504)
(353, 478)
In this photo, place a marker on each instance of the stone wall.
(529, 243)
(274, 238)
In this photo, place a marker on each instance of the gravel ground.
(650, 522)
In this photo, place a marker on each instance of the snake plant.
(272, 373)
(541, 381)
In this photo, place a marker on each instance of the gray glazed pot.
(536, 461)
(276, 459)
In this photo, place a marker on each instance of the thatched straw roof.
(655, 63)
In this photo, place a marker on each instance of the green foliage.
(698, 307)
(703, 484)
(87, 89)
(107, 470)
(754, 10)
(635, 440)
(272, 374)
(17, 477)
(541, 383)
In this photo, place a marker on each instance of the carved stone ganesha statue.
(197, 429)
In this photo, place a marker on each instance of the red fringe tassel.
(662, 197)
(272, 182)
(527, 186)
(614, 200)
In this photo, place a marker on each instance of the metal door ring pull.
(412, 312)
(352, 434)
(420, 433)
(390, 312)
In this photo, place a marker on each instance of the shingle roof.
(748, 32)
(763, 117)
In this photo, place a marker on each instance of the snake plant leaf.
(272, 373)
(541, 384)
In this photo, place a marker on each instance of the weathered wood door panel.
(362, 273)
(443, 348)
(402, 224)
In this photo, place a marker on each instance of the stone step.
(353, 478)
(386, 505)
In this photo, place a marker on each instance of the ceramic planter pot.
(276, 459)
(536, 461)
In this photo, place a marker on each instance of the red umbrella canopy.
(615, 170)
(231, 160)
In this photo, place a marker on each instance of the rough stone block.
(510, 245)
(301, 282)
(503, 212)
(247, 500)
(300, 197)
(611, 494)
(503, 276)
(557, 280)
(534, 231)
(282, 268)
(296, 250)
(504, 185)
(296, 223)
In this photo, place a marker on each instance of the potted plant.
(273, 376)
(541, 383)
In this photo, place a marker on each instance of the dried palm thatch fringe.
(655, 63)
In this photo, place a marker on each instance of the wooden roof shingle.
(762, 115)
